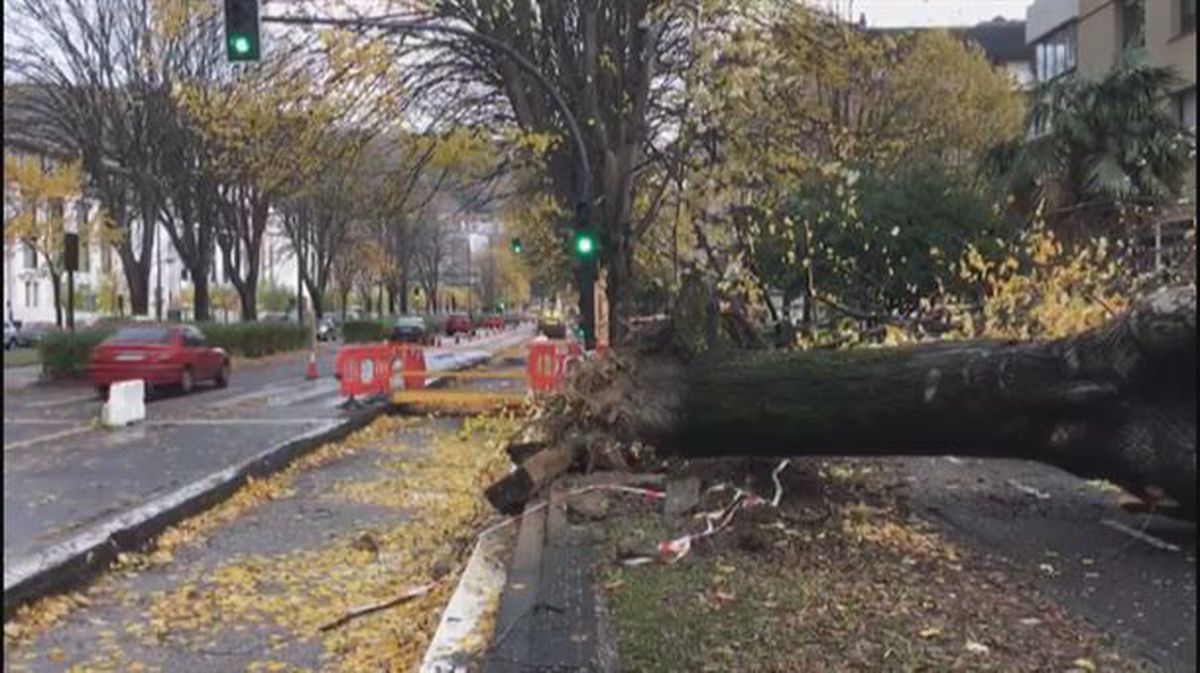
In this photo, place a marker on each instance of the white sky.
(903, 13)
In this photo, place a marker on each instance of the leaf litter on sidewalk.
(290, 596)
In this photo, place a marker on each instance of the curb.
(514, 629)
(72, 563)
(450, 649)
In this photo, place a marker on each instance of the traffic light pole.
(586, 279)
(586, 272)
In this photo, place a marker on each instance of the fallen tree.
(1117, 402)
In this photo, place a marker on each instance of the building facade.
(1089, 36)
(100, 287)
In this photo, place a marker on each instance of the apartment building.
(1089, 36)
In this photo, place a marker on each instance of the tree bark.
(1117, 402)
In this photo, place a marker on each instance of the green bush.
(364, 331)
(67, 355)
(256, 339)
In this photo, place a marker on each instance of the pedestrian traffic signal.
(242, 30)
(517, 246)
(585, 244)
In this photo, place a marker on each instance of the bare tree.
(91, 75)
(617, 64)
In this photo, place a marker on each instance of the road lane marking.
(38, 421)
(954, 459)
(9, 446)
(62, 402)
(1155, 542)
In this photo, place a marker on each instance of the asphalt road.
(63, 473)
(1134, 576)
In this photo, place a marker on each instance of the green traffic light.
(585, 245)
(517, 246)
(240, 44)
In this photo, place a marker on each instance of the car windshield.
(410, 322)
(141, 335)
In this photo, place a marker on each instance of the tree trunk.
(1116, 402)
(200, 300)
(56, 289)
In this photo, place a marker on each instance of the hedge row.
(256, 339)
(68, 355)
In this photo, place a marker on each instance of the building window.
(1187, 16)
(31, 294)
(1055, 53)
(1133, 24)
(1185, 107)
(30, 254)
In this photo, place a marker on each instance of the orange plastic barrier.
(543, 366)
(550, 361)
(412, 361)
(364, 369)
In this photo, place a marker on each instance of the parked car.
(409, 330)
(161, 355)
(492, 322)
(10, 335)
(459, 323)
(329, 328)
(30, 334)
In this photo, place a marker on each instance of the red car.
(459, 323)
(161, 355)
(493, 322)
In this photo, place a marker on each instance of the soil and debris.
(839, 577)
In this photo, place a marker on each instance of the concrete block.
(682, 495)
(126, 404)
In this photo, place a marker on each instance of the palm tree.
(1097, 145)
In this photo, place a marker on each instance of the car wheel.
(102, 393)
(186, 382)
(223, 375)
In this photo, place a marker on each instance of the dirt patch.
(838, 577)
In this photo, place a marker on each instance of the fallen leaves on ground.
(869, 589)
(293, 594)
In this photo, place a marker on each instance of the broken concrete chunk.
(591, 505)
(682, 495)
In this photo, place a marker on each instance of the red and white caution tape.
(671, 551)
(715, 521)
